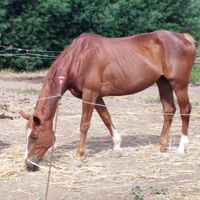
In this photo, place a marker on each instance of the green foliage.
(53, 24)
(162, 190)
(24, 91)
(137, 192)
(195, 75)
(151, 99)
(137, 16)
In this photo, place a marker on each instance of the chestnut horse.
(95, 66)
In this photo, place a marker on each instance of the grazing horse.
(95, 66)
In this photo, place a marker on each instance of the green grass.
(150, 99)
(161, 190)
(24, 91)
(195, 75)
(137, 192)
(153, 99)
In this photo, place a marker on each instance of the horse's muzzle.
(30, 165)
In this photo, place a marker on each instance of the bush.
(53, 24)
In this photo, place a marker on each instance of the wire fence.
(10, 51)
(28, 57)
(25, 59)
(7, 51)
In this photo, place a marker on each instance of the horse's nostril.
(31, 167)
(28, 166)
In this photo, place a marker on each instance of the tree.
(53, 24)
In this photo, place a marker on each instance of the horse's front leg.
(89, 99)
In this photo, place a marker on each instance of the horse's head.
(39, 138)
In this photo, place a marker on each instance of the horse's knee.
(84, 127)
(188, 108)
(171, 108)
(169, 113)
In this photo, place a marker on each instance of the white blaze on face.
(27, 136)
(116, 139)
(183, 144)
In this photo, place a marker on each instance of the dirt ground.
(158, 175)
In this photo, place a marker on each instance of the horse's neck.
(46, 108)
(47, 103)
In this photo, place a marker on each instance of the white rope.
(24, 55)
(36, 164)
(138, 113)
(102, 106)
(50, 97)
(96, 104)
(21, 49)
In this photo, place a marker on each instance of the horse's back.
(154, 46)
(130, 64)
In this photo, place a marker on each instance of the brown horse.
(95, 66)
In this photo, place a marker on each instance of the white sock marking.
(116, 139)
(27, 136)
(183, 144)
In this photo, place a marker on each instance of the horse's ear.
(36, 120)
(24, 115)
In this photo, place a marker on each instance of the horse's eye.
(34, 137)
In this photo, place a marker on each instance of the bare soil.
(159, 174)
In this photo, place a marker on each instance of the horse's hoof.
(179, 154)
(157, 148)
(75, 164)
(116, 153)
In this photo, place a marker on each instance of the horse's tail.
(189, 37)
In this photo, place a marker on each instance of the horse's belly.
(128, 85)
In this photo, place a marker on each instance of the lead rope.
(61, 78)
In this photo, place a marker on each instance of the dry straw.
(139, 163)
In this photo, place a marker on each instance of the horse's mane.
(48, 82)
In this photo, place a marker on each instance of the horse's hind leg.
(185, 109)
(166, 96)
(105, 116)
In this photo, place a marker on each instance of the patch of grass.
(137, 192)
(24, 91)
(195, 75)
(162, 190)
(153, 99)
(195, 102)
(109, 97)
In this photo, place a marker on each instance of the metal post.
(61, 78)
(10, 56)
(26, 68)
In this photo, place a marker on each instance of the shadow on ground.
(3, 145)
(98, 144)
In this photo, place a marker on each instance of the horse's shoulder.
(88, 40)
